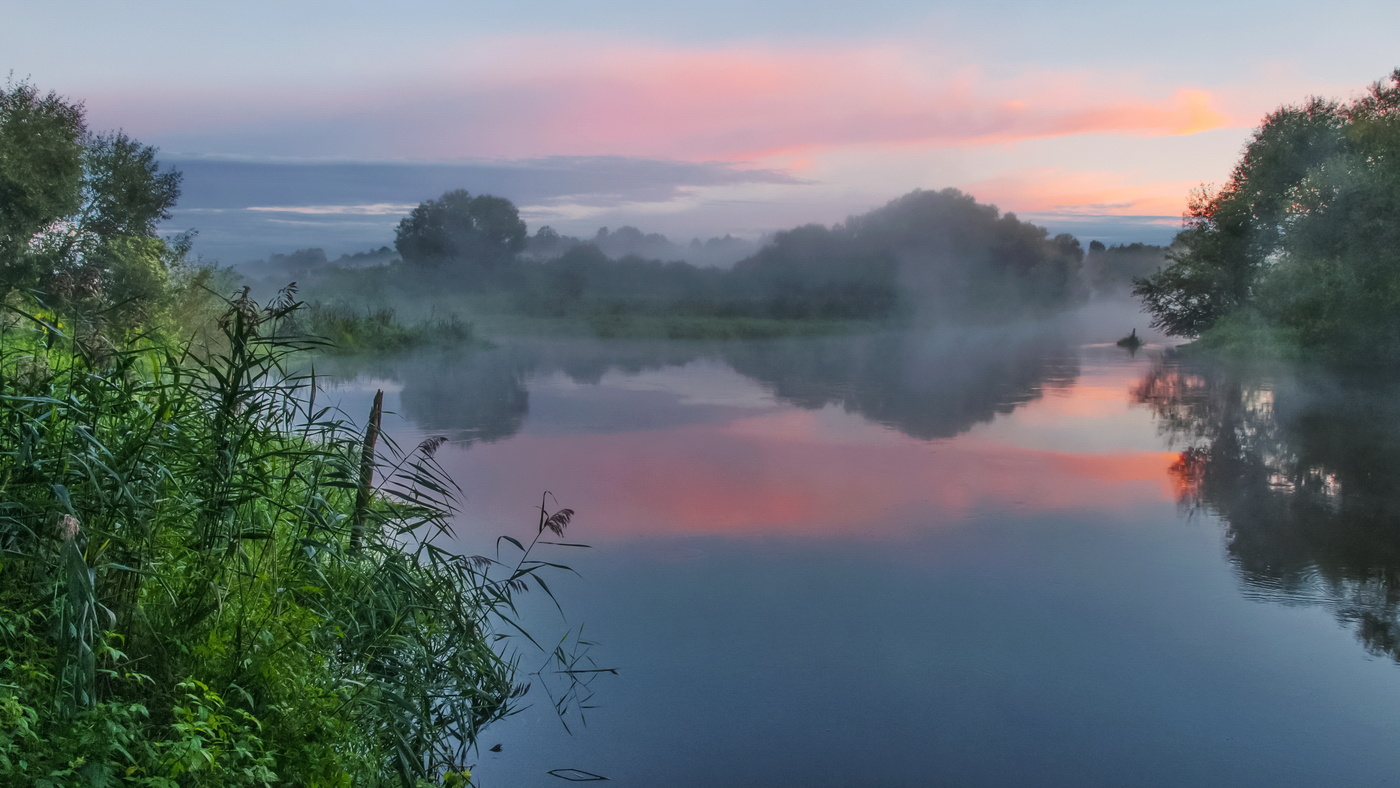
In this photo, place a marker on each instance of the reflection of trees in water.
(1303, 474)
(468, 397)
(924, 384)
(481, 395)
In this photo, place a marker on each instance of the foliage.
(935, 252)
(620, 324)
(627, 241)
(1304, 232)
(927, 254)
(471, 236)
(78, 212)
(1110, 270)
(182, 602)
(41, 164)
(348, 330)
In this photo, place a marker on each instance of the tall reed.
(208, 578)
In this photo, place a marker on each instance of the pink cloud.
(574, 95)
(599, 97)
(1050, 189)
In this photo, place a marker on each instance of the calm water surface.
(937, 558)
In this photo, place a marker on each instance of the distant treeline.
(1112, 270)
(937, 254)
(303, 263)
(722, 252)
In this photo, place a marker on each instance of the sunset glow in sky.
(1085, 116)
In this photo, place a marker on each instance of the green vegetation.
(1300, 250)
(1112, 270)
(476, 236)
(925, 256)
(626, 326)
(78, 212)
(347, 330)
(206, 578)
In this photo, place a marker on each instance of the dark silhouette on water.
(927, 385)
(1301, 470)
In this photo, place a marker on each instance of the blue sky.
(319, 123)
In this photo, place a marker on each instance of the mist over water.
(971, 556)
(829, 337)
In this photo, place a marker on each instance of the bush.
(202, 583)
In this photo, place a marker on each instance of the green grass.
(1246, 336)
(349, 330)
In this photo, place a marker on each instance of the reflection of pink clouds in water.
(777, 474)
(1082, 401)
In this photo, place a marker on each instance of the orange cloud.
(580, 95)
(569, 95)
(1049, 189)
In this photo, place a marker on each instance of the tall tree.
(78, 211)
(1304, 233)
(474, 235)
(126, 191)
(41, 172)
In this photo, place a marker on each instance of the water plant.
(350, 330)
(208, 577)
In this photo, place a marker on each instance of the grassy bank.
(209, 579)
(346, 329)
(401, 316)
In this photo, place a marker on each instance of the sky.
(322, 123)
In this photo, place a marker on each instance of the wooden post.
(357, 524)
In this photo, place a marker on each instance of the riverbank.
(208, 578)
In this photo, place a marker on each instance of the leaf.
(62, 494)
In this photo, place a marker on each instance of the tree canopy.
(1303, 237)
(938, 250)
(78, 210)
(41, 165)
(473, 235)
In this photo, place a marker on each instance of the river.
(1006, 556)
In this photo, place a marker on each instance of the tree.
(41, 169)
(940, 252)
(1112, 269)
(1303, 235)
(78, 211)
(473, 234)
(127, 193)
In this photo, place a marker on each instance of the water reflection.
(1301, 468)
(925, 385)
(795, 537)
(481, 395)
